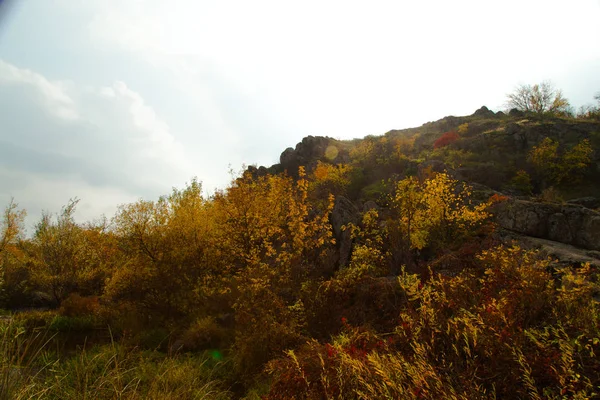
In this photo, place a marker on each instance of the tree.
(11, 226)
(435, 212)
(11, 231)
(58, 253)
(556, 168)
(164, 244)
(542, 98)
(590, 111)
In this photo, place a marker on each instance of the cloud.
(70, 140)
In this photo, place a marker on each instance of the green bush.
(63, 323)
(204, 333)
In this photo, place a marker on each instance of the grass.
(30, 370)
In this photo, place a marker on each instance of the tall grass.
(20, 352)
(29, 370)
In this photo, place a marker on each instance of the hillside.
(489, 149)
(455, 260)
(490, 152)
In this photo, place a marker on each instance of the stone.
(516, 113)
(566, 223)
(484, 112)
(370, 205)
(588, 202)
(344, 212)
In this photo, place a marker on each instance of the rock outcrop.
(484, 112)
(562, 254)
(310, 150)
(344, 212)
(566, 223)
(587, 202)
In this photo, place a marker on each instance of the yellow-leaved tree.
(556, 168)
(434, 212)
(66, 257)
(164, 248)
(273, 240)
(11, 232)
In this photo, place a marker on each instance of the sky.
(112, 101)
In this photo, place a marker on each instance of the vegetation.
(542, 98)
(554, 168)
(246, 294)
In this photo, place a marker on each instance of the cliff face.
(566, 223)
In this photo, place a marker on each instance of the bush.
(203, 334)
(63, 323)
(503, 329)
(76, 305)
(551, 195)
(522, 182)
(446, 139)
(31, 320)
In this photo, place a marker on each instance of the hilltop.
(484, 148)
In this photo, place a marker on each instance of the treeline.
(429, 305)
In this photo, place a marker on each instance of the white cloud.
(212, 83)
(53, 94)
(66, 141)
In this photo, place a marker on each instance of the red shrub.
(498, 198)
(446, 139)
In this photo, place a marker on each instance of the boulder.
(370, 205)
(515, 113)
(562, 254)
(587, 202)
(307, 153)
(484, 112)
(565, 223)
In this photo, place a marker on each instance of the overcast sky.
(115, 100)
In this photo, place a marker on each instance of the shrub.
(446, 139)
(203, 334)
(522, 182)
(76, 305)
(503, 329)
(31, 320)
(551, 195)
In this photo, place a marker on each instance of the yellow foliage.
(435, 209)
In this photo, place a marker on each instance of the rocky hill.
(492, 152)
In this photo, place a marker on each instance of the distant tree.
(11, 226)
(590, 111)
(540, 98)
(576, 161)
(11, 231)
(330, 179)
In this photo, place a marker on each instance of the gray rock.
(562, 254)
(484, 112)
(565, 223)
(558, 228)
(344, 212)
(370, 205)
(307, 153)
(515, 112)
(588, 202)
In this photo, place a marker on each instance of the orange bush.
(446, 139)
(77, 306)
